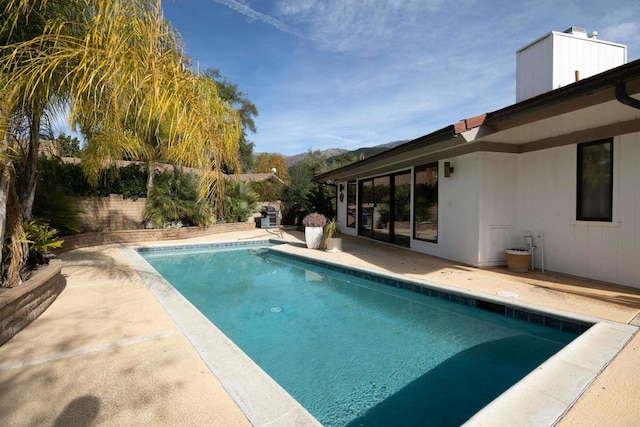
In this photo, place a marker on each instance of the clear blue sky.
(353, 73)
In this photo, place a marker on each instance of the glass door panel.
(351, 204)
(381, 208)
(365, 222)
(402, 209)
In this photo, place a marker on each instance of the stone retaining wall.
(141, 235)
(23, 304)
(110, 213)
(117, 213)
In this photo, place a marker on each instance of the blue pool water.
(355, 352)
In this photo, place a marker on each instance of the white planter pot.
(334, 244)
(313, 237)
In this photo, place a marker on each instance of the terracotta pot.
(518, 261)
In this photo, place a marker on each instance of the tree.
(266, 162)
(245, 155)
(25, 106)
(247, 111)
(68, 146)
(119, 66)
(241, 201)
(130, 88)
(174, 201)
(170, 114)
(294, 196)
(341, 160)
(302, 195)
(32, 99)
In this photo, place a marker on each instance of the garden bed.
(142, 235)
(22, 304)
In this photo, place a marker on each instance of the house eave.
(588, 92)
(382, 161)
(407, 154)
(476, 133)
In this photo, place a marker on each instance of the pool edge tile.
(547, 393)
(262, 400)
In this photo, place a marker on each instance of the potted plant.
(314, 229)
(333, 236)
(518, 259)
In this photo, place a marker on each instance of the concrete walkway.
(107, 353)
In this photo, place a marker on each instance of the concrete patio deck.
(108, 353)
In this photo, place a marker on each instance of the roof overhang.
(526, 126)
(407, 154)
(589, 92)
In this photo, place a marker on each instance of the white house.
(562, 164)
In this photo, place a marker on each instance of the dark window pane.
(595, 181)
(425, 212)
(381, 214)
(365, 223)
(402, 208)
(351, 204)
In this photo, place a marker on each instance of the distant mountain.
(332, 153)
(365, 152)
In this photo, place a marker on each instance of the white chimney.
(558, 58)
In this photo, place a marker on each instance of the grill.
(268, 217)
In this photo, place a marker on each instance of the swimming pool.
(375, 353)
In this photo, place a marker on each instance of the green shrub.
(41, 239)
(240, 201)
(130, 181)
(173, 199)
(54, 198)
(267, 191)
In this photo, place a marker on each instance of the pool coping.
(263, 401)
(540, 398)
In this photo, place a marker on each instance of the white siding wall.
(457, 212)
(534, 69)
(497, 178)
(588, 56)
(491, 199)
(546, 200)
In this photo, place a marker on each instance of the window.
(425, 209)
(351, 204)
(595, 181)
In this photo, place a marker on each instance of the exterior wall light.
(448, 169)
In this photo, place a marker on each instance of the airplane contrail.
(247, 11)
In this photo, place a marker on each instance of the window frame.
(352, 185)
(579, 181)
(416, 170)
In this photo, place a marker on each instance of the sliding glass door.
(384, 208)
(402, 208)
(365, 208)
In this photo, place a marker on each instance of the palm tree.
(175, 198)
(241, 201)
(120, 67)
(33, 102)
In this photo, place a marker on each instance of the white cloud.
(364, 26)
(365, 72)
(244, 9)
